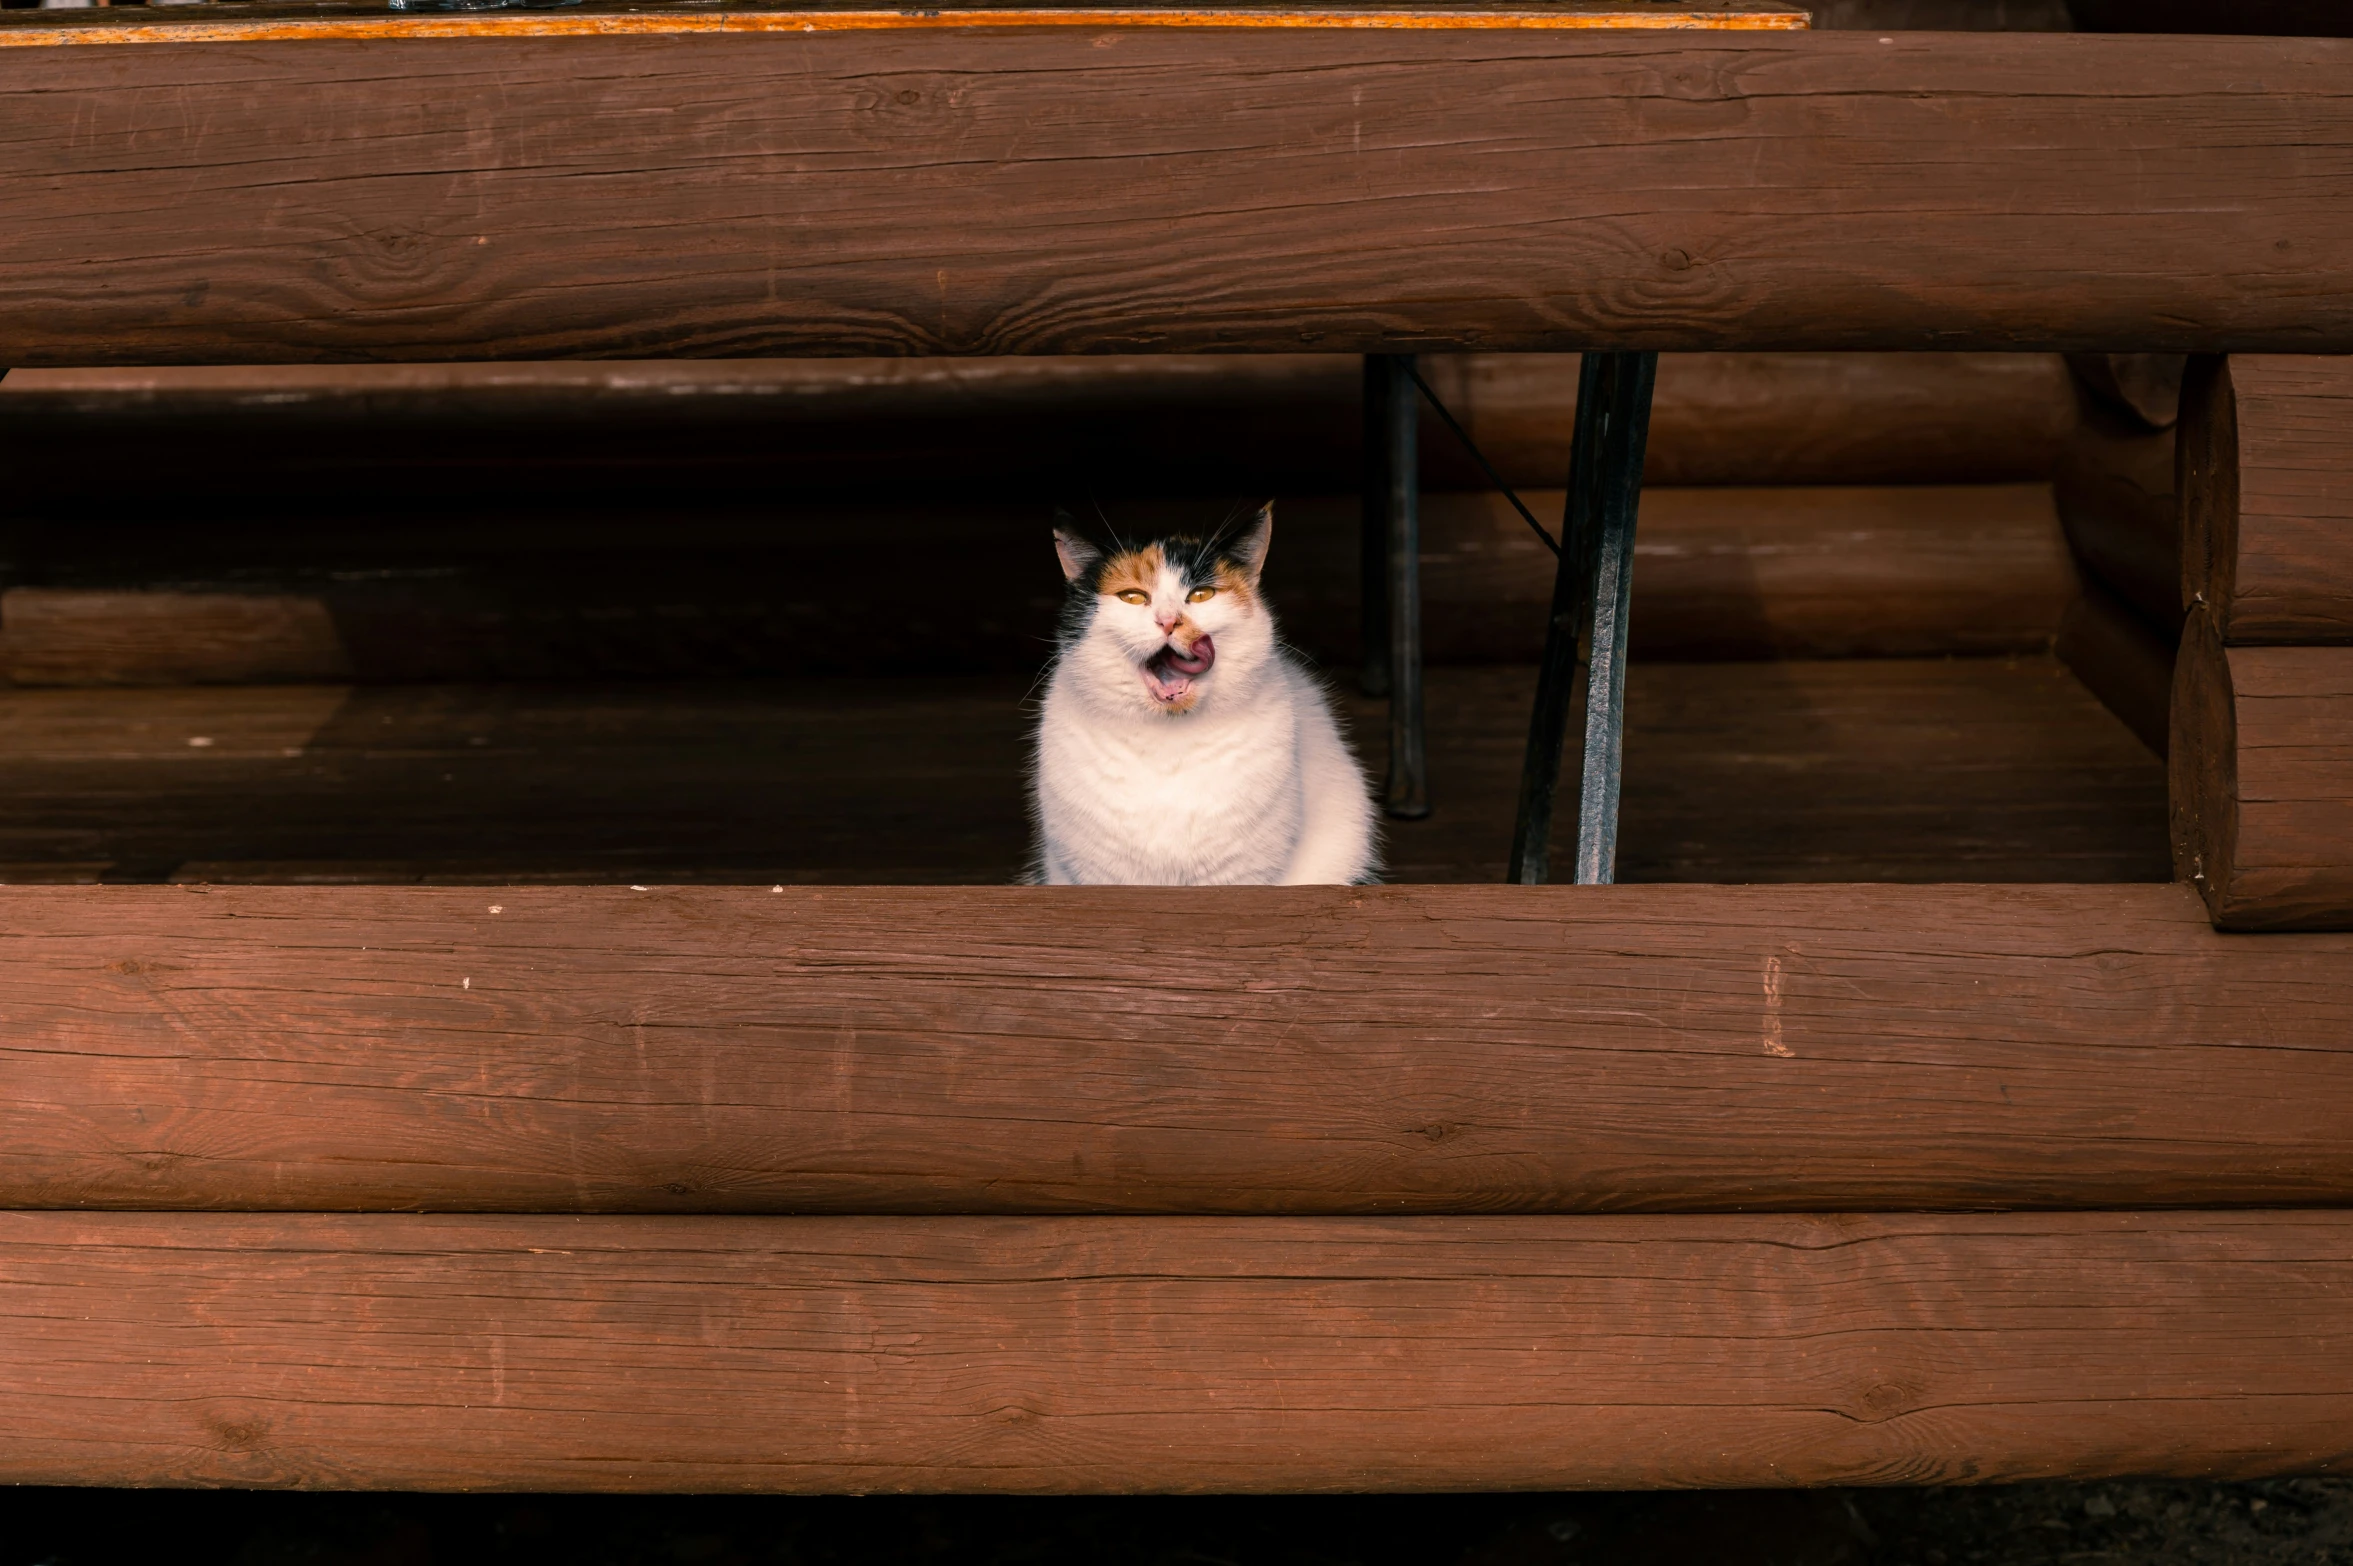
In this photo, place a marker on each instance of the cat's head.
(1162, 627)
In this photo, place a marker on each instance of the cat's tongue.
(1194, 663)
(1170, 674)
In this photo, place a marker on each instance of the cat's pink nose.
(1167, 622)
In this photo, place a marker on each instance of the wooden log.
(168, 637)
(1771, 418)
(2122, 660)
(1170, 424)
(2262, 781)
(2116, 495)
(1907, 770)
(2144, 386)
(2267, 497)
(1054, 192)
(1752, 573)
(1108, 1355)
(972, 1050)
(1721, 573)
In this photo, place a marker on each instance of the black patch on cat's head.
(1236, 548)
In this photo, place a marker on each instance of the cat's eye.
(1135, 595)
(1200, 595)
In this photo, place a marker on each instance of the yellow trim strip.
(542, 24)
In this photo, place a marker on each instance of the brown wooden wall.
(1107, 1354)
(1186, 189)
(1424, 1049)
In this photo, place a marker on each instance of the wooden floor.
(1912, 770)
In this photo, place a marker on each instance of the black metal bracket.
(1393, 576)
(1585, 641)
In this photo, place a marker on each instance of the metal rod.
(1373, 536)
(1406, 794)
(1585, 640)
(1471, 446)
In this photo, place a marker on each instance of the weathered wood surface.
(1005, 191)
(2115, 489)
(1906, 770)
(929, 1050)
(670, 432)
(2122, 659)
(686, 1354)
(2267, 497)
(2262, 780)
(1837, 572)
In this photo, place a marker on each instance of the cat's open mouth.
(1169, 674)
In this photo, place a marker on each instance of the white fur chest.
(1206, 798)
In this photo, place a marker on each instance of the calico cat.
(1181, 744)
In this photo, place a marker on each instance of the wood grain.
(2267, 496)
(1105, 1355)
(1396, 1049)
(2262, 780)
(1016, 191)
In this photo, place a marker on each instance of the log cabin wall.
(551, 522)
(773, 1187)
(2263, 698)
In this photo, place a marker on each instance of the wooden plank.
(1070, 191)
(309, 23)
(1851, 571)
(1906, 770)
(2262, 780)
(2267, 495)
(406, 437)
(1104, 1355)
(738, 1049)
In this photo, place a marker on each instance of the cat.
(1180, 743)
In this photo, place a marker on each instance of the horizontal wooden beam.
(1405, 1049)
(684, 1354)
(1061, 191)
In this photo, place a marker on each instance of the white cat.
(1181, 744)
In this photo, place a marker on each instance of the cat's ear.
(1077, 555)
(1250, 544)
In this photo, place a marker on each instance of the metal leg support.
(1406, 793)
(1373, 539)
(1585, 644)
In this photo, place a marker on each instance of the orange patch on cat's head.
(1135, 570)
(1239, 581)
